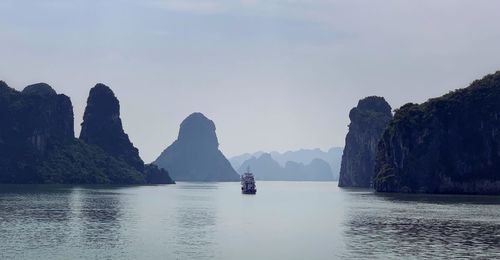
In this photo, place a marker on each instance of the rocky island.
(195, 155)
(37, 142)
(449, 144)
(102, 127)
(368, 121)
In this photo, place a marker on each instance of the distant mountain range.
(303, 164)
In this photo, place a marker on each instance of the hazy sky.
(272, 74)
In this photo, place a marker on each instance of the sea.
(284, 220)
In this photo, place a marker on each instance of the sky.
(274, 75)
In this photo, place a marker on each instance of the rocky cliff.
(79, 163)
(33, 121)
(449, 144)
(195, 155)
(368, 121)
(102, 127)
(155, 175)
(35, 117)
(37, 143)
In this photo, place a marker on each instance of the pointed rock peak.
(265, 156)
(198, 128)
(374, 103)
(368, 121)
(197, 116)
(4, 88)
(370, 109)
(102, 126)
(102, 90)
(3, 84)
(195, 156)
(42, 89)
(102, 99)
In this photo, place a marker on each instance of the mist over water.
(285, 220)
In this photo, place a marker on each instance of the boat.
(248, 183)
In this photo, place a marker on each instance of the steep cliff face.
(368, 121)
(195, 155)
(37, 142)
(102, 127)
(449, 144)
(32, 121)
(35, 116)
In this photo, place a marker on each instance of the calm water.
(285, 220)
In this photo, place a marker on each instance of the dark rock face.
(79, 163)
(32, 122)
(195, 155)
(155, 175)
(368, 121)
(266, 168)
(41, 89)
(449, 144)
(37, 143)
(102, 127)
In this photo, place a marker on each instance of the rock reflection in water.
(422, 226)
(215, 221)
(100, 215)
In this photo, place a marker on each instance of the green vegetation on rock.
(80, 163)
(449, 144)
(37, 143)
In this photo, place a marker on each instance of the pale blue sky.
(272, 74)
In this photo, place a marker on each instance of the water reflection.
(421, 226)
(100, 214)
(33, 216)
(211, 221)
(196, 218)
(439, 198)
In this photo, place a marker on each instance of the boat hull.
(249, 191)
